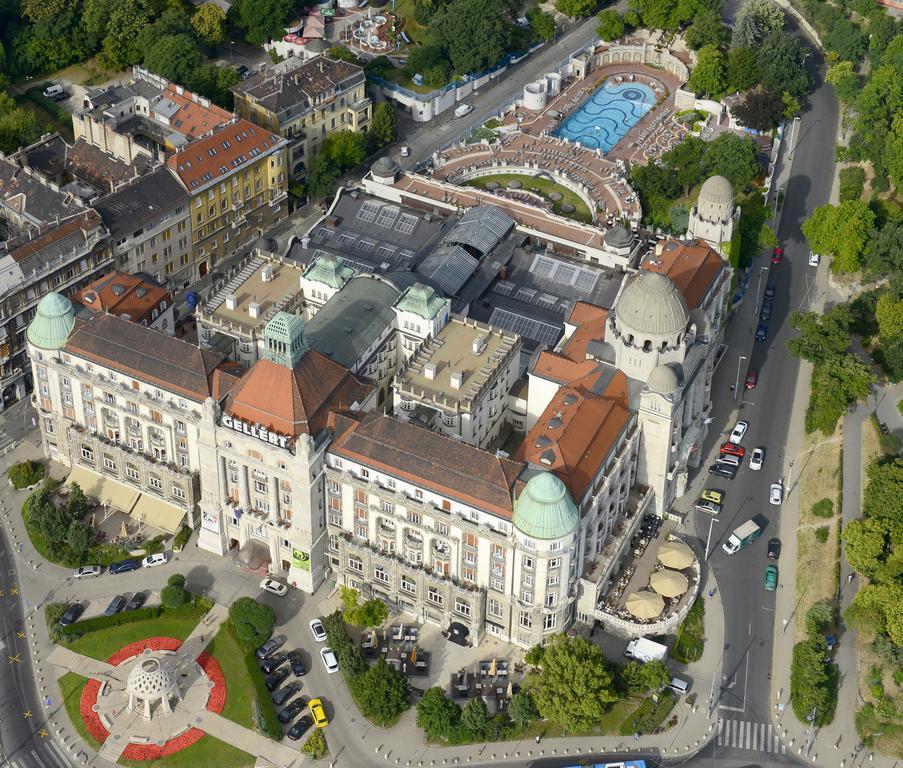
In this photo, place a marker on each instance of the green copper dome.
(421, 300)
(544, 510)
(329, 270)
(283, 339)
(52, 322)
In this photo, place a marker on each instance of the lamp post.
(810, 732)
(737, 381)
(708, 540)
(231, 52)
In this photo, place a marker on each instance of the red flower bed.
(215, 702)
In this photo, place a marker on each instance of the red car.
(752, 378)
(776, 255)
(732, 449)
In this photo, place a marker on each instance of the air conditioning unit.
(231, 302)
(266, 274)
(254, 309)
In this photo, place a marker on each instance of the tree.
(174, 595)
(884, 493)
(760, 110)
(883, 253)
(209, 22)
(575, 686)
(889, 314)
(322, 175)
(632, 677)
(77, 504)
(535, 655)
(822, 336)
(261, 20)
(840, 231)
(894, 152)
(820, 618)
(341, 53)
(843, 77)
(79, 538)
(381, 692)
(542, 23)
(879, 100)
(475, 718)
(836, 383)
(423, 57)
(437, 715)
(475, 33)
(521, 708)
(52, 521)
(27, 473)
(781, 65)
(316, 747)
(811, 681)
(742, 69)
(611, 25)
(852, 185)
(756, 20)
(253, 622)
(576, 9)
(734, 158)
(844, 39)
(384, 124)
(867, 542)
(706, 29)
(125, 22)
(175, 57)
(345, 149)
(437, 75)
(709, 76)
(878, 608)
(656, 674)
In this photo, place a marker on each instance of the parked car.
(723, 470)
(296, 662)
(732, 449)
(405, 150)
(71, 614)
(318, 630)
(777, 254)
(243, 72)
(730, 459)
(87, 572)
(709, 507)
(135, 601)
(769, 292)
(757, 459)
(55, 92)
(315, 706)
(124, 566)
(713, 494)
(275, 679)
(776, 494)
(300, 727)
(761, 332)
(291, 711)
(752, 378)
(270, 647)
(771, 578)
(738, 432)
(329, 660)
(115, 606)
(765, 312)
(274, 587)
(152, 561)
(774, 549)
(814, 259)
(285, 693)
(271, 663)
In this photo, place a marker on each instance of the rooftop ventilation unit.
(266, 274)
(478, 345)
(457, 379)
(429, 371)
(231, 302)
(254, 309)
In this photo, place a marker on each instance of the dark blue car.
(761, 332)
(124, 566)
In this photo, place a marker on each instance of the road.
(744, 691)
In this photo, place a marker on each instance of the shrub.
(821, 534)
(315, 747)
(53, 612)
(690, 635)
(823, 508)
(173, 596)
(437, 714)
(521, 709)
(820, 618)
(852, 182)
(253, 622)
(534, 656)
(265, 720)
(649, 715)
(813, 681)
(196, 608)
(26, 473)
(181, 538)
(155, 545)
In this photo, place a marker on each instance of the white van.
(152, 560)
(55, 92)
(679, 686)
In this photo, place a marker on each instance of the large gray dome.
(385, 166)
(618, 236)
(716, 194)
(663, 380)
(651, 305)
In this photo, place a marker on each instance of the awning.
(458, 633)
(106, 490)
(254, 554)
(159, 514)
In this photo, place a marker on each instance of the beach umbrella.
(675, 554)
(669, 583)
(645, 605)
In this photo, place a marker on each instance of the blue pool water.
(604, 118)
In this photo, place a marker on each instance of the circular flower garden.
(92, 691)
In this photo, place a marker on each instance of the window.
(526, 596)
(109, 463)
(260, 486)
(550, 622)
(388, 507)
(360, 497)
(494, 608)
(525, 620)
(154, 482)
(528, 580)
(414, 517)
(178, 492)
(498, 551)
(333, 487)
(87, 453)
(442, 529)
(496, 583)
(434, 596)
(360, 529)
(462, 607)
(528, 563)
(355, 564)
(334, 542)
(408, 585)
(468, 573)
(553, 580)
(551, 600)
(470, 540)
(131, 472)
(380, 574)
(554, 563)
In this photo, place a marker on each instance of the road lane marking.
(17, 659)
(40, 762)
(26, 714)
(58, 753)
(20, 635)
(43, 733)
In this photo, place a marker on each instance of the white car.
(318, 630)
(757, 459)
(329, 660)
(274, 587)
(739, 430)
(814, 259)
(87, 572)
(405, 150)
(154, 560)
(776, 493)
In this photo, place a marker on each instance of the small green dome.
(52, 322)
(545, 510)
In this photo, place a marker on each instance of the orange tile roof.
(124, 295)
(694, 266)
(216, 156)
(296, 401)
(577, 431)
(590, 322)
(194, 119)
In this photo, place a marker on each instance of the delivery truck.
(643, 649)
(743, 535)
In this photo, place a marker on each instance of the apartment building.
(303, 101)
(130, 297)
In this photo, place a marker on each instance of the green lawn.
(544, 187)
(50, 115)
(608, 726)
(404, 10)
(105, 642)
(71, 687)
(207, 753)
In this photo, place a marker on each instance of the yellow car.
(710, 494)
(318, 713)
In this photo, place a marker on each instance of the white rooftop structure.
(151, 686)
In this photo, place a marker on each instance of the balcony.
(441, 550)
(157, 437)
(413, 540)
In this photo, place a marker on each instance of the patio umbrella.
(493, 669)
(414, 655)
(669, 583)
(645, 605)
(123, 531)
(675, 554)
(510, 691)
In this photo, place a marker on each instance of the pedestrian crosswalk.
(743, 734)
(48, 754)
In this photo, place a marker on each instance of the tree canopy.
(709, 76)
(760, 110)
(209, 22)
(253, 622)
(821, 336)
(576, 8)
(781, 65)
(261, 20)
(475, 33)
(840, 231)
(756, 20)
(381, 692)
(611, 25)
(437, 715)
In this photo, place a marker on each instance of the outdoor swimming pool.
(604, 118)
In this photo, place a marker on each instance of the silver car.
(87, 572)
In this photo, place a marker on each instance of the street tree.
(894, 152)
(209, 23)
(812, 683)
(576, 9)
(742, 69)
(840, 231)
(883, 253)
(842, 75)
(521, 708)
(252, 622)
(79, 539)
(889, 314)
(878, 608)
(880, 99)
(821, 336)
(760, 110)
(381, 692)
(475, 33)
(820, 618)
(836, 383)
(884, 492)
(475, 718)
(542, 24)
(437, 715)
(575, 687)
(756, 20)
(611, 25)
(867, 543)
(384, 124)
(707, 29)
(781, 65)
(709, 76)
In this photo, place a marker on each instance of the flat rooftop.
(429, 373)
(279, 292)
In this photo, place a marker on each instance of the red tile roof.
(128, 296)
(193, 118)
(694, 266)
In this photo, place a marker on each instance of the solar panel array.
(583, 280)
(525, 326)
(503, 288)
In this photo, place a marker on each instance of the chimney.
(478, 345)
(266, 274)
(231, 302)
(659, 247)
(429, 371)
(457, 379)
(254, 309)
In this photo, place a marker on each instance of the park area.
(562, 200)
